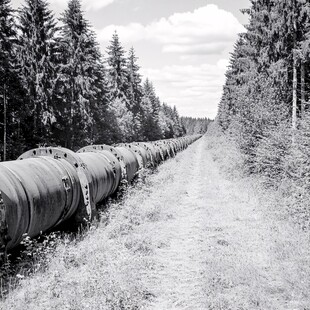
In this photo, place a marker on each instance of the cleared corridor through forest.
(188, 238)
(222, 248)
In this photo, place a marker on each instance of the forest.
(57, 88)
(264, 108)
(195, 125)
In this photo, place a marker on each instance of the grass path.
(187, 239)
(223, 248)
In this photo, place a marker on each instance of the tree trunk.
(4, 123)
(294, 108)
(294, 112)
(302, 89)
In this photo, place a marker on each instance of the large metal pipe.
(50, 185)
(37, 194)
(153, 153)
(113, 161)
(140, 153)
(101, 175)
(131, 162)
(127, 159)
(87, 207)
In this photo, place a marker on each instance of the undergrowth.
(88, 269)
(30, 257)
(225, 152)
(280, 165)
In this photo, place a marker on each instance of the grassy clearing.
(268, 266)
(106, 269)
(195, 235)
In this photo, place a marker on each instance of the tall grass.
(100, 270)
(105, 269)
(280, 164)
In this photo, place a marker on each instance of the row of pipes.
(47, 186)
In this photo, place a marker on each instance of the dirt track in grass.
(187, 239)
(223, 247)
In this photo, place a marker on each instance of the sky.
(183, 45)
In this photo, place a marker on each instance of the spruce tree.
(135, 93)
(81, 84)
(11, 92)
(118, 84)
(177, 125)
(267, 74)
(36, 46)
(151, 108)
(166, 121)
(6, 34)
(117, 69)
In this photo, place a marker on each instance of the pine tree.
(11, 92)
(135, 93)
(166, 121)
(262, 81)
(151, 108)
(236, 76)
(177, 125)
(7, 33)
(81, 85)
(37, 28)
(117, 69)
(290, 25)
(118, 84)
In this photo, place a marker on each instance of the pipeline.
(47, 186)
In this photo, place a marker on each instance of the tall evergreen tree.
(177, 125)
(267, 74)
(37, 28)
(151, 107)
(195, 125)
(135, 93)
(117, 69)
(7, 33)
(11, 92)
(81, 83)
(118, 83)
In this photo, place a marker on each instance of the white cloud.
(95, 4)
(206, 30)
(133, 32)
(87, 5)
(195, 90)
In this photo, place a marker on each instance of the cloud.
(88, 5)
(133, 32)
(195, 90)
(95, 4)
(204, 31)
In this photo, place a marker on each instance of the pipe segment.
(49, 185)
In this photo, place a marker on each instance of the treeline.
(265, 103)
(195, 125)
(57, 89)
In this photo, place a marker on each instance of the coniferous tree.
(267, 73)
(151, 108)
(7, 33)
(195, 125)
(35, 51)
(12, 109)
(166, 121)
(177, 125)
(55, 89)
(81, 83)
(118, 83)
(135, 93)
(117, 69)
